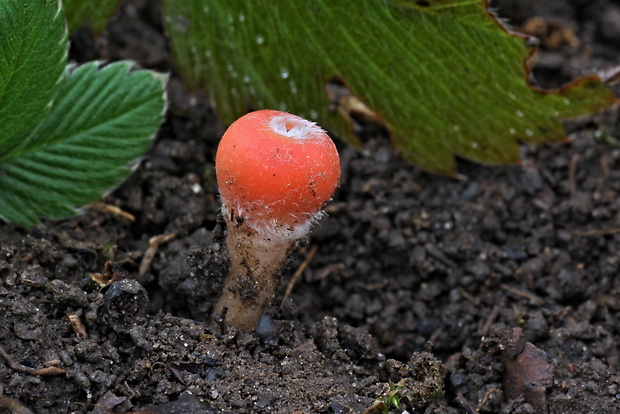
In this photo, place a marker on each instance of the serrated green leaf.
(445, 77)
(96, 13)
(33, 56)
(102, 120)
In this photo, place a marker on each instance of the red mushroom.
(276, 172)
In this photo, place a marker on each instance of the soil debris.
(528, 372)
(411, 276)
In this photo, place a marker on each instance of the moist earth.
(496, 292)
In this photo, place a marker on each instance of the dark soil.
(494, 293)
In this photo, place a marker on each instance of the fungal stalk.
(276, 172)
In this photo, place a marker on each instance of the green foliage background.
(67, 135)
(443, 75)
(96, 12)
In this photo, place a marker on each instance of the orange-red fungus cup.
(276, 171)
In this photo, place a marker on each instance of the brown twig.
(41, 372)
(484, 330)
(595, 232)
(151, 251)
(468, 296)
(298, 272)
(77, 326)
(327, 270)
(376, 407)
(572, 172)
(110, 209)
(604, 161)
(534, 299)
(15, 406)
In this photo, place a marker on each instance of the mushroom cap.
(276, 171)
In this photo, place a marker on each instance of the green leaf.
(102, 120)
(97, 13)
(443, 75)
(33, 56)
(65, 138)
